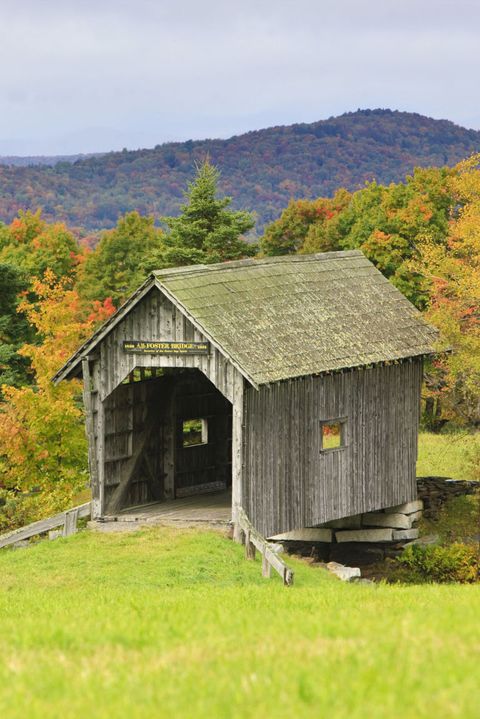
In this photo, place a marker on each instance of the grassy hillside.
(447, 454)
(262, 170)
(169, 623)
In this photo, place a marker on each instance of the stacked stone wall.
(371, 537)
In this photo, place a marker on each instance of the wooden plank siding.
(151, 413)
(155, 318)
(116, 412)
(289, 483)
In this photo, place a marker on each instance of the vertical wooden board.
(156, 318)
(98, 502)
(189, 331)
(283, 458)
(237, 449)
(88, 387)
(123, 360)
(71, 519)
(230, 371)
(144, 313)
(169, 310)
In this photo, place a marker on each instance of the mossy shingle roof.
(286, 317)
(299, 315)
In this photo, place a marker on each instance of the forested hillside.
(262, 170)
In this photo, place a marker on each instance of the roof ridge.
(251, 262)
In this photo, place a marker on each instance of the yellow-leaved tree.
(453, 269)
(43, 457)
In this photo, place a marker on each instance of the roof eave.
(353, 368)
(71, 367)
(67, 371)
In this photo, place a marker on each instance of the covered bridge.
(294, 382)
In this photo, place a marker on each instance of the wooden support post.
(43, 526)
(71, 519)
(169, 442)
(91, 437)
(98, 504)
(250, 550)
(266, 567)
(237, 453)
(270, 558)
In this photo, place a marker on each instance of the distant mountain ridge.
(262, 169)
(29, 160)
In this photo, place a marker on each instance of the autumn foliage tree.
(387, 223)
(14, 327)
(302, 226)
(28, 248)
(453, 272)
(424, 236)
(34, 246)
(122, 259)
(42, 438)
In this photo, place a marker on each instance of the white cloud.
(153, 70)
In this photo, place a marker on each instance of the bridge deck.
(200, 510)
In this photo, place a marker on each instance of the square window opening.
(333, 435)
(194, 432)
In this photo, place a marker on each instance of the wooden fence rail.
(67, 520)
(270, 559)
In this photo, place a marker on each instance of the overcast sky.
(93, 75)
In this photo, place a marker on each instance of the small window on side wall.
(194, 432)
(333, 434)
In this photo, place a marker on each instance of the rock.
(55, 533)
(307, 534)
(423, 541)
(21, 544)
(353, 522)
(395, 521)
(399, 534)
(407, 507)
(346, 574)
(416, 516)
(365, 535)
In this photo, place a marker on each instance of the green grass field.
(175, 623)
(446, 455)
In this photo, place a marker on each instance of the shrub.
(15, 510)
(456, 562)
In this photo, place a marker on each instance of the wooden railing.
(270, 560)
(68, 520)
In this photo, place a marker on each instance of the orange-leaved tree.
(42, 440)
(29, 243)
(453, 270)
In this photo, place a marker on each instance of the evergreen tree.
(206, 231)
(14, 328)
